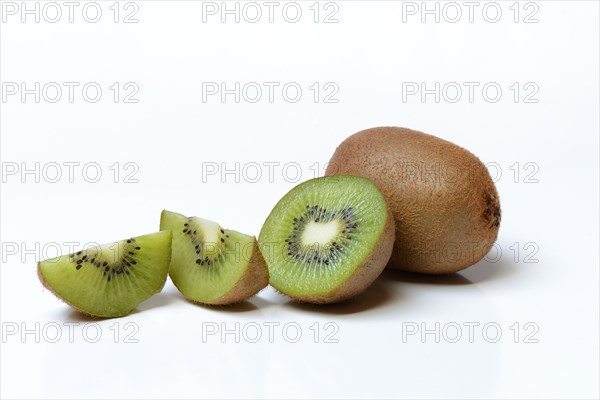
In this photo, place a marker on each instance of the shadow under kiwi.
(489, 270)
(260, 302)
(395, 275)
(373, 296)
(253, 303)
(480, 272)
(158, 300)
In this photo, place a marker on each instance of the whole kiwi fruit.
(444, 202)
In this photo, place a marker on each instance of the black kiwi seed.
(78, 266)
(106, 269)
(222, 231)
(185, 231)
(319, 214)
(104, 264)
(222, 240)
(79, 261)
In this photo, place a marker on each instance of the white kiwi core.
(320, 233)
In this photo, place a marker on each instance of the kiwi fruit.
(327, 239)
(445, 205)
(112, 279)
(213, 265)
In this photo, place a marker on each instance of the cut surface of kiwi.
(112, 279)
(327, 239)
(213, 265)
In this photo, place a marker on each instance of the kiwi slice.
(328, 239)
(213, 265)
(112, 279)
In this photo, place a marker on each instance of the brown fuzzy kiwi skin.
(253, 281)
(445, 221)
(365, 274)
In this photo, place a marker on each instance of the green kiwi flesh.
(112, 279)
(213, 265)
(327, 239)
(445, 204)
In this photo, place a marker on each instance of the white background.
(546, 275)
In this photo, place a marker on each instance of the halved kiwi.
(112, 279)
(328, 239)
(213, 265)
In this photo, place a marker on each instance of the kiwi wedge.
(213, 265)
(112, 279)
(445, 204)
(327, 239)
